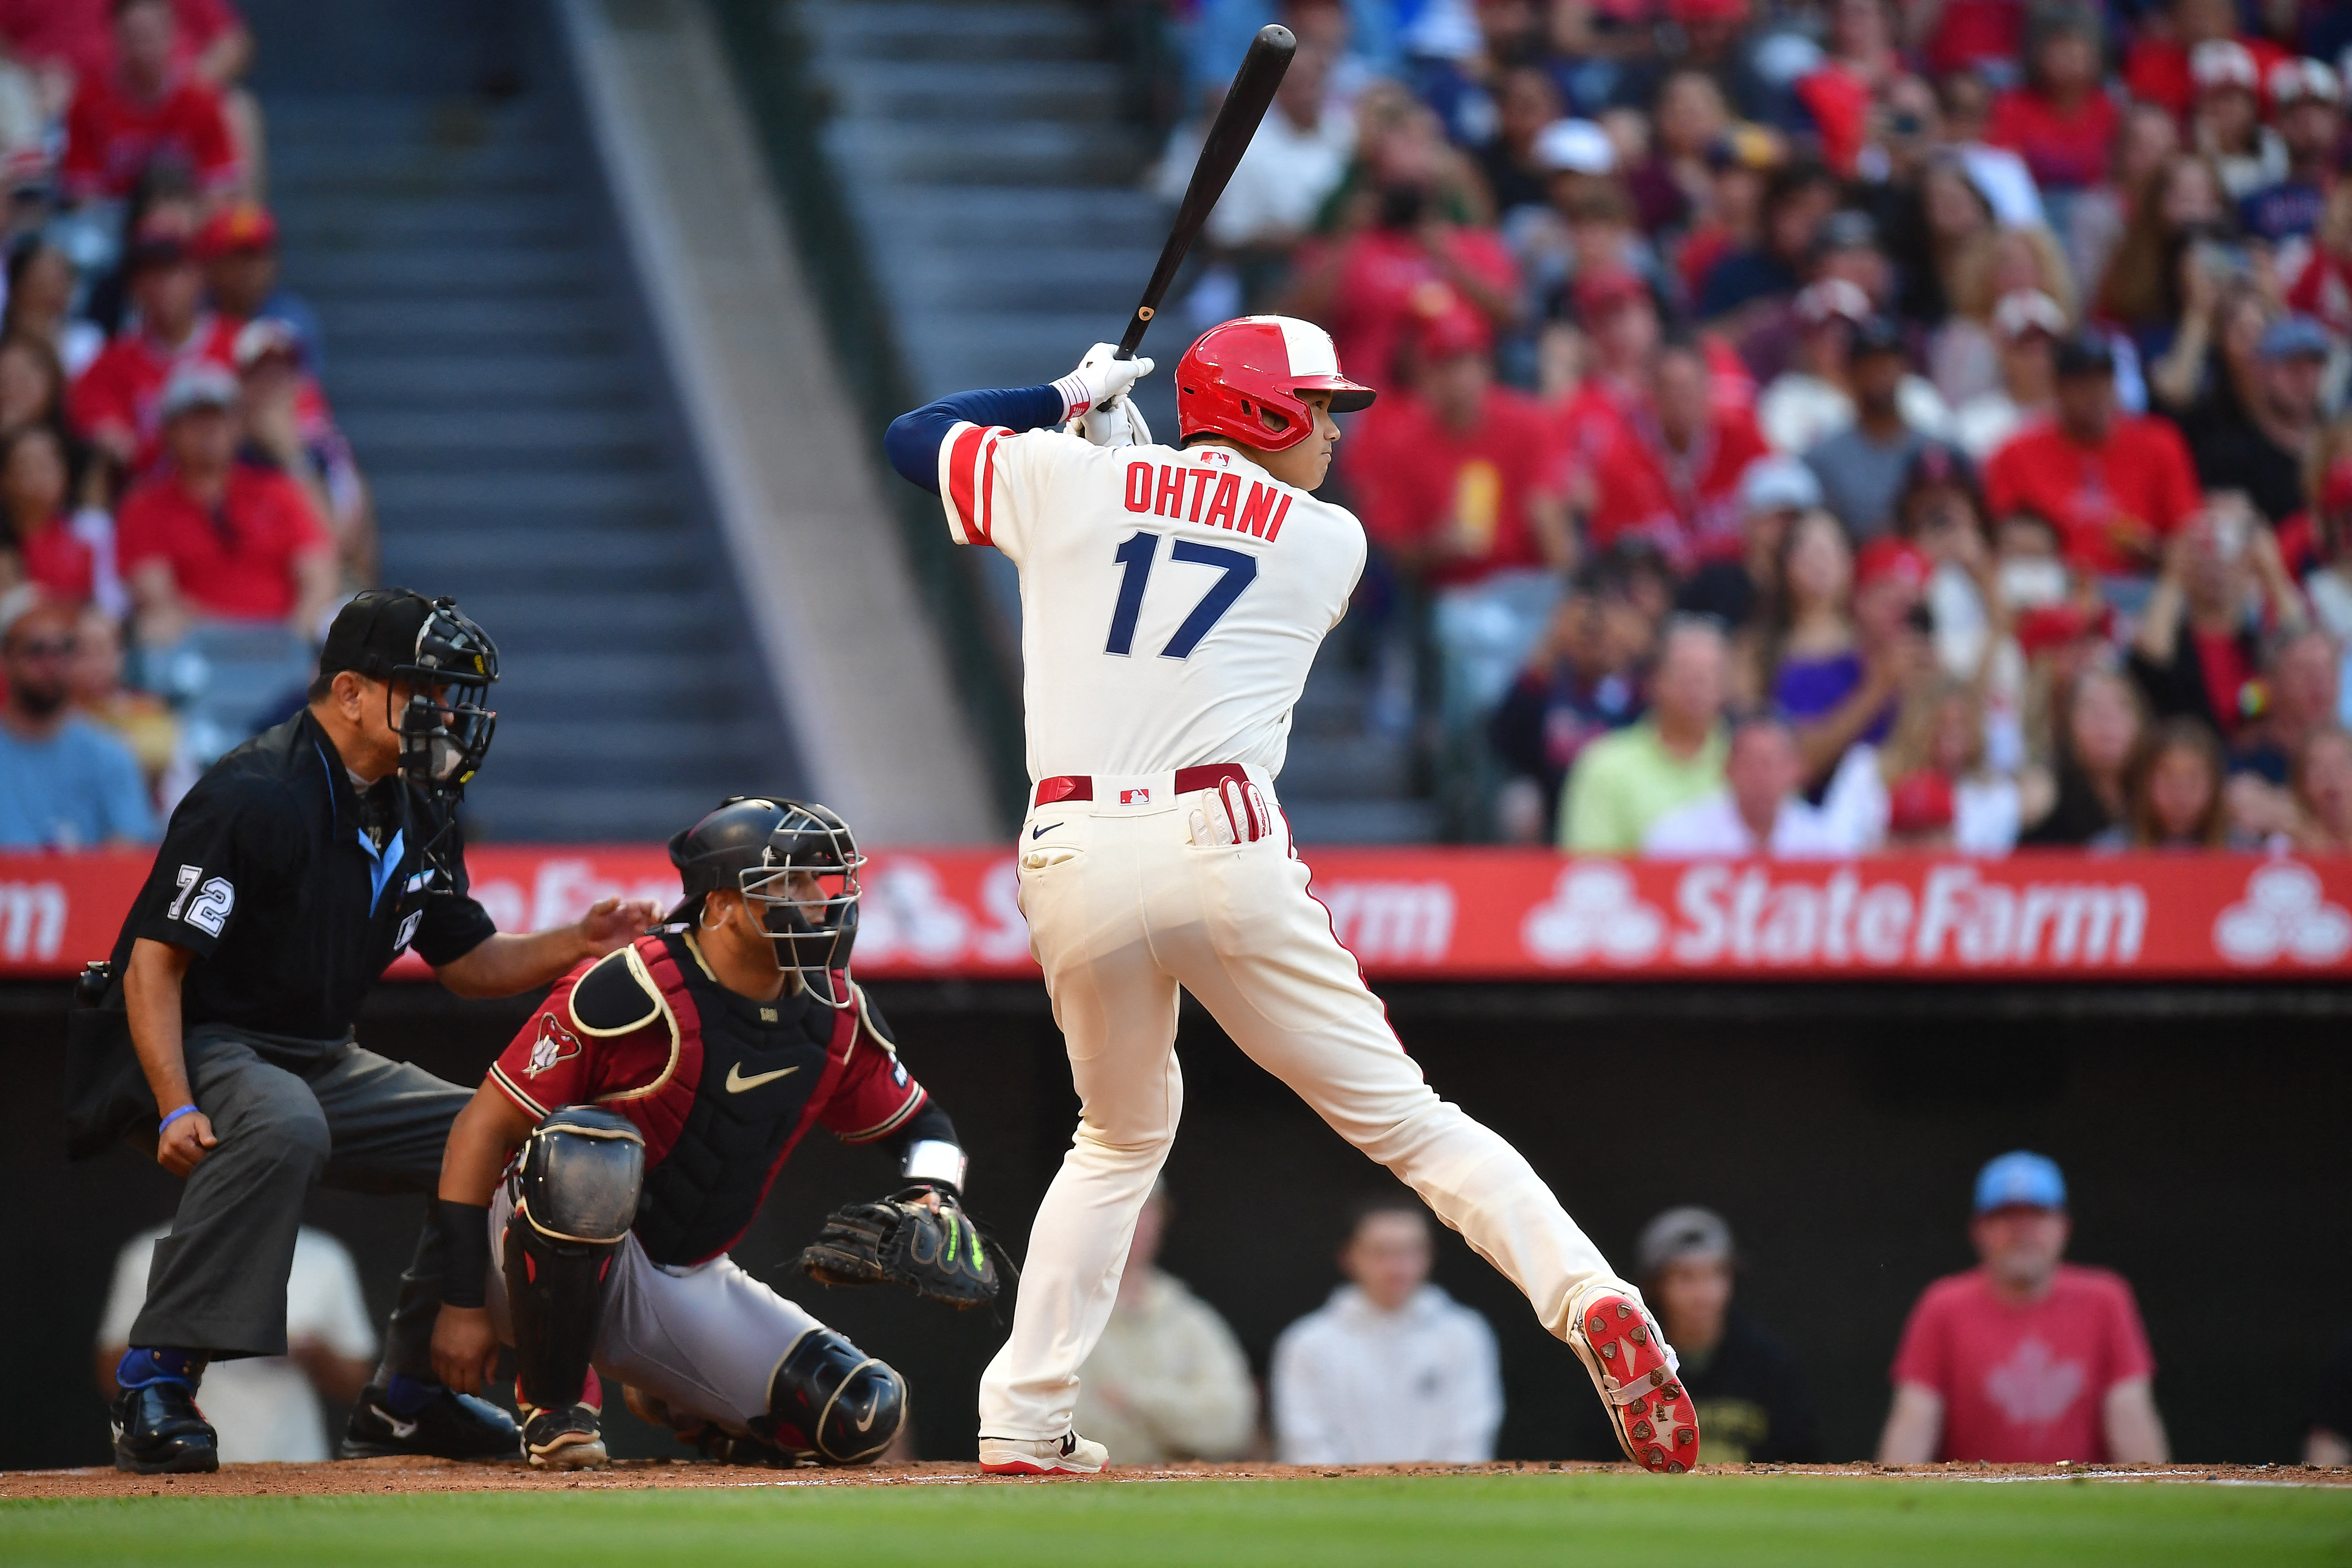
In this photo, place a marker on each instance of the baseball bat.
(1229, 137)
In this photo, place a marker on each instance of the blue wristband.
(187, 1110)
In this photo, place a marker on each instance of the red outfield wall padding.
(1468, 914)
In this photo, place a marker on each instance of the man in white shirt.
(1391, 1370)
(1757, 811)
(265, 1407)
(1168, 1380)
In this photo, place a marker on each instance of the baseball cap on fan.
(197, 384)
(1680, 1233)
(1575, 147)
(1778, 483)
(2023, 311)
(2020, 1179)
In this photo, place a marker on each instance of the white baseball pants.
(1123, 910)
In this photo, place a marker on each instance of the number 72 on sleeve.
(1237, 570)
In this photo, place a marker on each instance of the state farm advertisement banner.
(1481, 914)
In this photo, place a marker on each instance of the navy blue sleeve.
(913, 439)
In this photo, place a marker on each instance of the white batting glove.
(1101, 378)
(1119, 424)
(1235, 813)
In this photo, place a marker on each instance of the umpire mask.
(796, 865)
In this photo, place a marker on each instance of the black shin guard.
(576, 1195)
(832, 1403)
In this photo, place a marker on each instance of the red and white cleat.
(1633, 1368)
(1067, 1455)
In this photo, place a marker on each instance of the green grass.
(1628, 1522)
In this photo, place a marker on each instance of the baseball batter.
(1173, 600)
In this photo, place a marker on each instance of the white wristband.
(934, 1160)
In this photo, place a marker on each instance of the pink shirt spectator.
(2024, 1385)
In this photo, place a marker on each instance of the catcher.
(623, 1142)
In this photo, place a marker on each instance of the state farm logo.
(32, 921)
(1594, 911)
(1734, 916)
(2283, 915)
(1391, 922)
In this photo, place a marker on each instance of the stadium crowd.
(178, 511)
(1814, 428)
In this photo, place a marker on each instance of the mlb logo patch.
(1216, 455)
(1135, 797)
(555, 1044)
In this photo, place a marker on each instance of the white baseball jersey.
(1171, 602)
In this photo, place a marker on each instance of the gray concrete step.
(995, 213)
(890, 30)
(395, 379)
(1058, 280)
(1016, 152)
(916, 89)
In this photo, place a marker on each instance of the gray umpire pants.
(291, 1115)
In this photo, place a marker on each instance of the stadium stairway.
(487, 353)
(995, 178)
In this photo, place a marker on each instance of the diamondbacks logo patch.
(555, 1044)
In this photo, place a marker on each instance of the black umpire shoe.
(566, 1439)
(453, 1426)
(158, 1431)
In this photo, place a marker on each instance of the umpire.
(221, 1036)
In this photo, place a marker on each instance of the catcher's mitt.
(899, 1241)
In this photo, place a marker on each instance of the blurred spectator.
(1921, 812)
(138, 718)
(1858, 63)
(2101, 720)
(1459, 487)
(1391, 1370)
(1620, 320)
(1731, 221)
(1752, 1403)
(73, 39)
(1966, 100)
(1948, 220)
(1525, 101)
(1625, 780)
(1757, 811)
(1675, 183)
(65, 783)
(2024, 1359)
(2026, 327)
(2326, 535)
(2329, 1441)
(2118, 485)
(117, 405)
(2226, 124)
(288, 427)
(42, 543)
(238, 246)
(1584, 680)
(1166, 1379)
(1670, 473)
(2260, 439)
(2198, 652)
(2322, 288)
(1941, 510)
(2172, 255)
(1842, 671)
(1809, 401)
(2323, 793)
(2308, 103)
(40, 304)
(2212, 372)
(1862, 466)
(1743, 593)
(2176, 794)
(1963, 356)
(1402, 256)
(2300, 688)
(148, 107)
(1798, 199)
(32, 388)
(265, 1408)
(1938, 754)
(2060, 121)
(210, 537)
(2147, 140)
(2157, 67)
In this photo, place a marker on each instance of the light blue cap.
(2020, 1179)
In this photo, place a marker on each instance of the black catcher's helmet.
(796, 861)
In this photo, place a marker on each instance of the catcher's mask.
(796, 865)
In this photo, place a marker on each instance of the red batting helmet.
(1260, 362)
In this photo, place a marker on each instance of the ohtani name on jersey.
(1202, 496)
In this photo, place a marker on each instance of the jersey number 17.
(1237, 570)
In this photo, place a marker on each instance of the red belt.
(1081, 786)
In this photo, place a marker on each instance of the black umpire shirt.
(294, 890)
